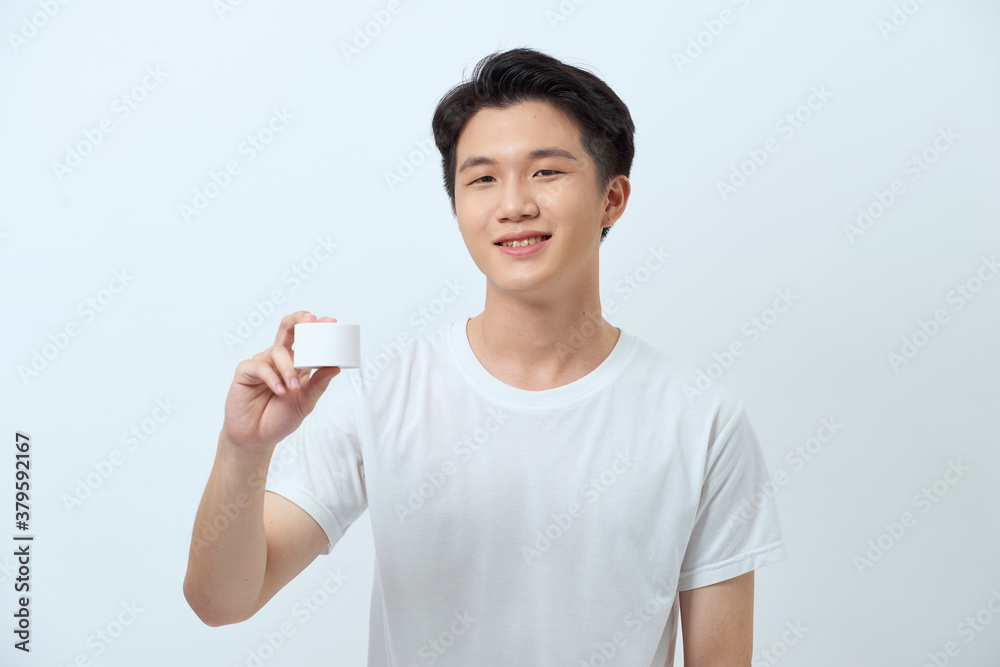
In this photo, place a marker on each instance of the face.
(523, 172)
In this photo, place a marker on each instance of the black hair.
(506, 78)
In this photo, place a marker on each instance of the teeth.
(523, 242)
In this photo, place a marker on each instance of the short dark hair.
(506, 78)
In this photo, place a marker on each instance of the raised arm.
(248, 543)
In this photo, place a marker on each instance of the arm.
(246, 543)
(717, 623)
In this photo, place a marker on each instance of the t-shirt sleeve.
(319, 467)
(736, 526)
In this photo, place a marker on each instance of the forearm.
(228, 555)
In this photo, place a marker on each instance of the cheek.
(477, 206)
(471, 227)
(475, 214)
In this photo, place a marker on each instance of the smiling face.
(523, 172)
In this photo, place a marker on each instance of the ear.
(616, 199)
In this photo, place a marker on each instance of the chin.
(523, 285)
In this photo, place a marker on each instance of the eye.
(550, 172)
(480, 179)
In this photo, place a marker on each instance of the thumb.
(316, 385)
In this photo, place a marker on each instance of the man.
(541, 489)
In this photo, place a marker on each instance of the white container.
(319, 344)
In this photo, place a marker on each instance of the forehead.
(523, 124)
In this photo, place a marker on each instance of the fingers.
(282, 360)
(286, 329)
(256, 370)
(280, 354)
(317, 385)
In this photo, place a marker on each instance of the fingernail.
(294, 383)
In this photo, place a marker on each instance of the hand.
(269, 397)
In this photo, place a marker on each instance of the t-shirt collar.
(545, 399)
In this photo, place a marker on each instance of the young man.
(541, 489)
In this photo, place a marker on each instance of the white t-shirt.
(517, 527)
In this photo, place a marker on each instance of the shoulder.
(684, 390)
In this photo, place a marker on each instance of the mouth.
(524, 242)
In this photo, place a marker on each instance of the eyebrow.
(476, 160)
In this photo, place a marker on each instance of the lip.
(520, 236)
(520, 251)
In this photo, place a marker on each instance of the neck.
(541, 343)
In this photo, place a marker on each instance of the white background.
(358, 116)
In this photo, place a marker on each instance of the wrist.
(243, 456)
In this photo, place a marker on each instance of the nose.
(517, 201)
